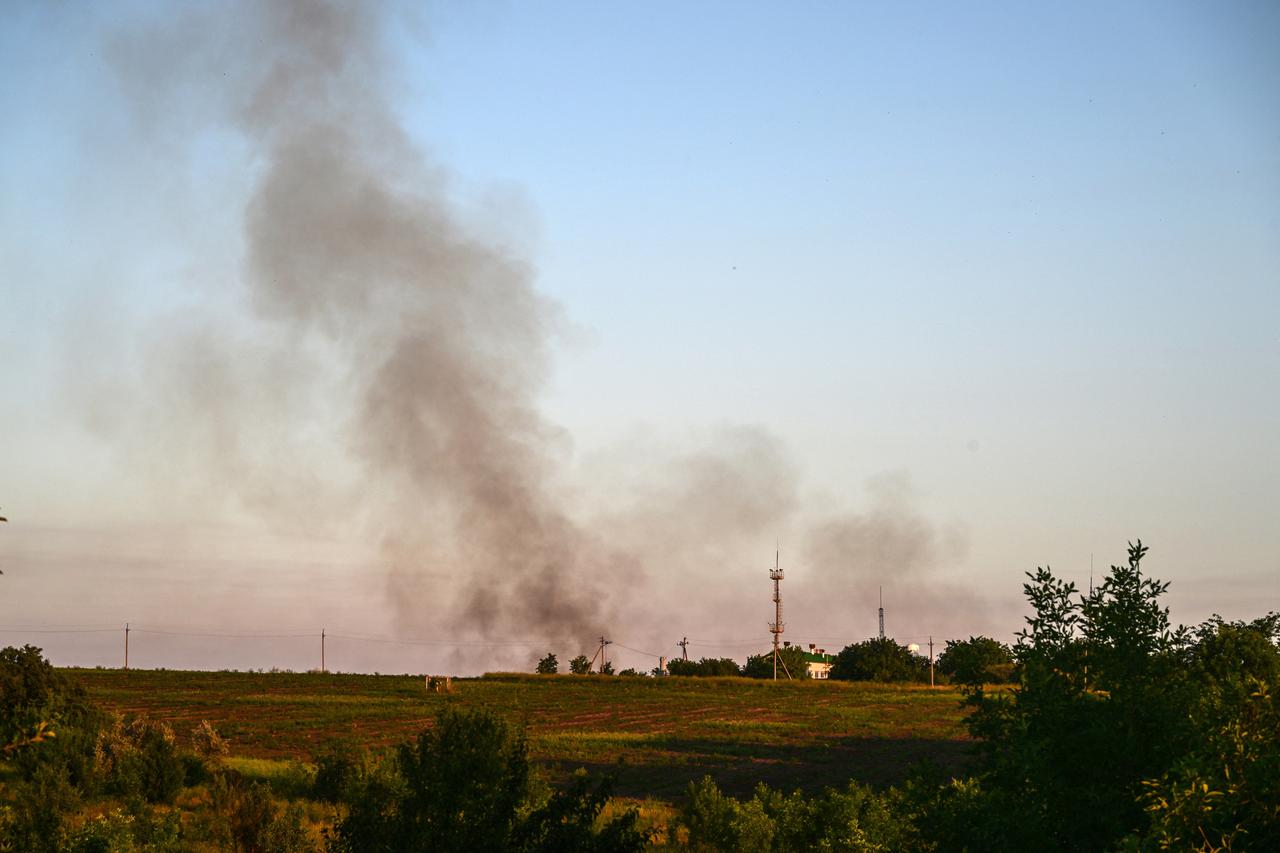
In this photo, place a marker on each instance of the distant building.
(819, 662)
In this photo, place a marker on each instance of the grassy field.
(656, 734)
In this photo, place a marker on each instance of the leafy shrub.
(1102, 703)
(206, 742)
(711, 817)
(566, 823)
(791, 661)
(705, 668)
(337, 771)
(879, 659)
(464, 780)
(258, 824)
(44, 719)
(69, 746)
(1224, 793)
(135, 831)
(855, 819)
(139, 757)
(465, 785)
(29, 688)
(976, 660)
(108, 833)
(581, 665)
(548, 665)
(195, 770)
(35, 821)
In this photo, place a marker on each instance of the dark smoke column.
(352, 246)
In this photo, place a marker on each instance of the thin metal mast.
(882, 613)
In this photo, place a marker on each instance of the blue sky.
(1026, 257)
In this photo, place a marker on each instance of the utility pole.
(930, 660)
(603, 654)
(322, 651)
(684, 647)
(126, 646)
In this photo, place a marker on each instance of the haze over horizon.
(502, 326)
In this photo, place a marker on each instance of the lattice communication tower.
(776, 627)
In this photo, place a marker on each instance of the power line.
(397, 641)
(637, 651)
(225, 636)
(58, 630)
(750, 642)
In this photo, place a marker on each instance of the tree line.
(877, 659)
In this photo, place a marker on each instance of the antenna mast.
(776, 627)
(882, 613)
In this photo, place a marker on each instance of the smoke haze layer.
(377, 364)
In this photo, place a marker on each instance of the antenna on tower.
(882, 613)
(776, 627)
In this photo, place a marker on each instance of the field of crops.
(656, 735)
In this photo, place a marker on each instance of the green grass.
(655, 735)
(287, 778)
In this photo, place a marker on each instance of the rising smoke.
(387, 355)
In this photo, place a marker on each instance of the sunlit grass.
(655, 734)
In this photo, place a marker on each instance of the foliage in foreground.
(855, 819)
(466, 785)
(1126, 730)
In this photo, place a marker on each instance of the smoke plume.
(380, 357)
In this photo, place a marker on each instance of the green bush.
(1224, 792)
(792, 661)
(258, 824)
(1102, 702)
(705, 668)
(134, 831)
(35, 822)
(565, 823)
(70, 748)
(337, 771)
(465, 785)
(138, 757)
(879, 659)
(976, 660)
(44, 719)
(207, 743)
(854, 819)
(30, 688)
(464, 780)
